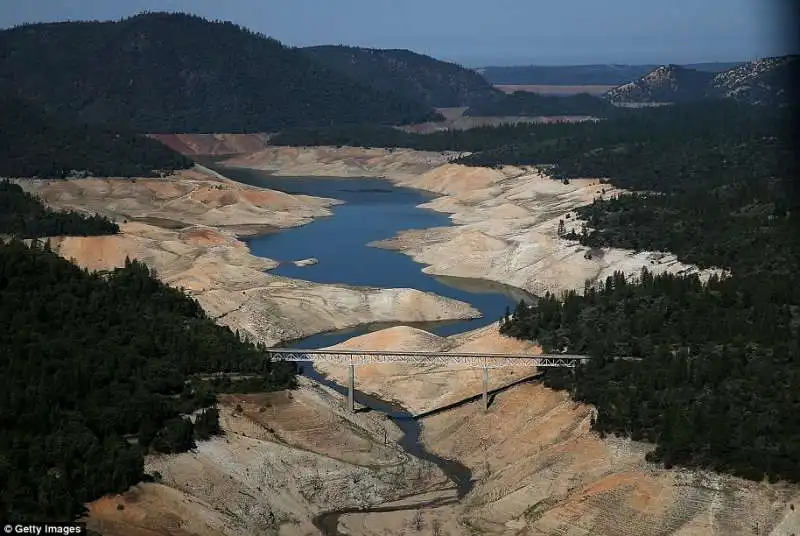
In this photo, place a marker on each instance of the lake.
(374, 209)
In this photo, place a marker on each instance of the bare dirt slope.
(341, 162)
(540, 469)
(537, 466)
(507, 222)
(284, 458)
(212, 144)
(196, 196)
(183, 228)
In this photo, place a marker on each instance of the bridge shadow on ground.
(474, 398)
(492, 394)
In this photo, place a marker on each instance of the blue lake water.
(374, 209)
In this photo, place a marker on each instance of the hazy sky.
(480, 32)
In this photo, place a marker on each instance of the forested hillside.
(436, 83)
(161, 72)
(718, 381)
(24, 216)
(580, 149)
(37, 144)
(95, 373)
(525, 103)
(624, 147)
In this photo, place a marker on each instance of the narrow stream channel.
(374, 209)
(459, 474)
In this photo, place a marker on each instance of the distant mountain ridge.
(168, 72)
(582, 75)
(762, 81)
(433, 82)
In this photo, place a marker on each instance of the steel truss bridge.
(353, 358)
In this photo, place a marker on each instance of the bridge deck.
(471, 360)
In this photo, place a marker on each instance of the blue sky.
(480, 32)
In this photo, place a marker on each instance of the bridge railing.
(472, 360)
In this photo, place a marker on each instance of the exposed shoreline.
(505, 221)
(187, 231)
(537, 466)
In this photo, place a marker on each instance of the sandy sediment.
(184, 227)
(342, 162)
(192, 197)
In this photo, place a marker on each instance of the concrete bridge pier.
(485, 388)
(351, 386)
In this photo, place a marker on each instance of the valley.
(535, 466)
(181, 193)
(237, 484)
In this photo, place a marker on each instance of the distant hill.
(436, 83)
(763, 81)
(581, 75)
(668, 83)
(523, 103)
(36, 144)
(161, 72)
